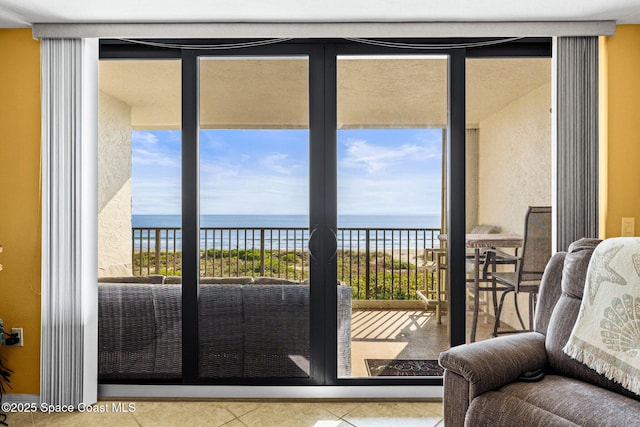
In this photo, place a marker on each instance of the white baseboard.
(256, 392)
(20, 398)
(268, 392)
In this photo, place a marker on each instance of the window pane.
(392, 120)
(508, 143)
(254, 198)
(139, 317)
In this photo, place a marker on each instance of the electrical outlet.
(628, 227)
(20, 336)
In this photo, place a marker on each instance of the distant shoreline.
(298, 221)
(246, 226)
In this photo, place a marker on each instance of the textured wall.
(515, 161)
(515, 169)
(114, 181)
(472, 163)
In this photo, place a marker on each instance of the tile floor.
(377, 334)
(244, 413)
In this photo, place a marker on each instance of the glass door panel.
(392, 121)
(508, 169)
(139, 220)
(254, 201)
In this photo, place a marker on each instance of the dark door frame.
(322, 55)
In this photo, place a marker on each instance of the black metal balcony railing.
(376, 263)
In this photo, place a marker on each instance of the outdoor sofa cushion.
(244, 330)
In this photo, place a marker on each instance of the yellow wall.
(20, 163)
(20, 203)
(623, 129)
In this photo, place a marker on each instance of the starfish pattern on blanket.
(604, 272)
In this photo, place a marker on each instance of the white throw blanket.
(606, 336)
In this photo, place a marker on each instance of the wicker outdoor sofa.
(247, 328)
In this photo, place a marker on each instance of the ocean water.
(242, 231)
(281, 221)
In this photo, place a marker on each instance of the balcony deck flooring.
(402, 334)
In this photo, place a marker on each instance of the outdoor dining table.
(479, 242)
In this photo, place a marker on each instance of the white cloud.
(407, 194)
(364, 155)
(373, 177)
(144, 137)
(251, 193)
(212, 141)
(143, 156)
(161, 195)
(392, 177)
(237, 187)
(148, 149)
(280, 163)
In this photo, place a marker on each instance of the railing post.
(367, 266)
(262, 251)
(133, 251)
(157, 248)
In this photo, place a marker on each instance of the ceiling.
(23, 13)
(401, 92)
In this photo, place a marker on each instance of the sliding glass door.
(321, 202)
(391, 124)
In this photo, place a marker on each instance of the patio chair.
(529, 266)
(436, 265)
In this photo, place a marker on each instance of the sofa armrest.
(490, 364)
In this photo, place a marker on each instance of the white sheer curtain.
(68, 359)
(577, 139)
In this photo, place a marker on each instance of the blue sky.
(380, 172)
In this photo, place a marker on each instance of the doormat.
(403, 368)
